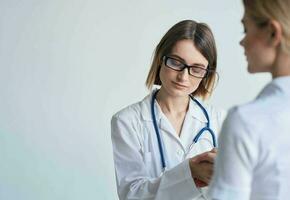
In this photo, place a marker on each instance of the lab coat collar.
(146, 108)
(279, 84)
(283, 83)
(194, 110)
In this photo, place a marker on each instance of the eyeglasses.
(178, 65)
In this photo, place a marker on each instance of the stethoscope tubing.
(206, 128)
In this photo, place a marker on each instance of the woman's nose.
(183, 74)
(242, 41)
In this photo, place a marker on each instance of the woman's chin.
(251, 69)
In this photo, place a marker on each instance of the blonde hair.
(261, 11)
(203, 39)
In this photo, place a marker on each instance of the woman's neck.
(281, 66)
(170, 104)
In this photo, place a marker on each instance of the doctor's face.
(258, 50)
(181, 83)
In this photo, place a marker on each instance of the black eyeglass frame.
(208, 71)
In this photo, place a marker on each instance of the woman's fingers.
(199, 183)
(214, 150)
(201, 170)
(208, 156)
(201, 167)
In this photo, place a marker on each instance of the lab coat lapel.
(193, 122)
(162, 121)
(186, 131)
(196, 112)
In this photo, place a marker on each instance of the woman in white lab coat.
(155, 154)
(253, 161)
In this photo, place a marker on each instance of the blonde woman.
(253, 161)
(158, 142)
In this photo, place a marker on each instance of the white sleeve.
(133, 180)
(237, 155)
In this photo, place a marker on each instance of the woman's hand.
(201, 167)
(199, 183)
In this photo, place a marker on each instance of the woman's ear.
(275, 32)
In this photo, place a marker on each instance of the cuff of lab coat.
(191, 185)
(180, 176)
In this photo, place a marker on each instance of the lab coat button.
(179, 152)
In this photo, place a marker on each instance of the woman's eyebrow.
(178, 57)
(181, 59)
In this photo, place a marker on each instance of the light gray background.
(67, 66)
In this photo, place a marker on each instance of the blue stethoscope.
(195, 139)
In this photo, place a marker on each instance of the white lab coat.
(137, 157)
(253, 161)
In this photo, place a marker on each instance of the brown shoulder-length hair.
(203, 39)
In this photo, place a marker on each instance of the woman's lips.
(180, 85)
